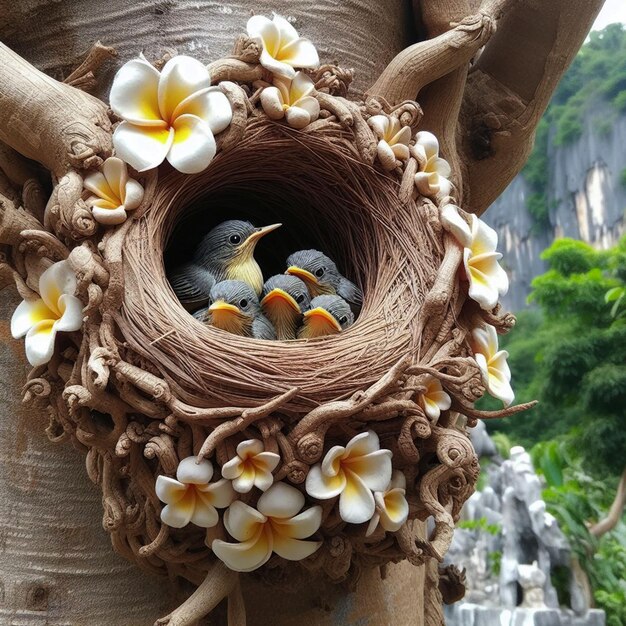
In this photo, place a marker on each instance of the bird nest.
(143, 385)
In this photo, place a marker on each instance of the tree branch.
(615, 512)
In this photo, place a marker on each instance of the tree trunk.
(56, 564)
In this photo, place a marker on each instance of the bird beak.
(304, 275)
(251, 241)
(321, 317)
(280, 295)
(221, 307)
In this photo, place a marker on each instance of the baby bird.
(285, 299)
(328, 315)
(234, 307)
(322, 277)
(225, 253)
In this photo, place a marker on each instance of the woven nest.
(144, 385)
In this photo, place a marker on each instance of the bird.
(328, 315)
(284, 299)
(321, 276)
(234, 307)
(226, 252)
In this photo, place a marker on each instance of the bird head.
(316, 270)
(285, 299)
(328, 315)
(227, 251)
(233, 306)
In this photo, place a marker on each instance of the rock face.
(586, 195)
(510, 545)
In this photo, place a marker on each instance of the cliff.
(586, 196)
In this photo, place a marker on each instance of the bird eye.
(210, 301)
(234, 239)
(319, 272)
(299, 298)
(243, 303)
(343, 319)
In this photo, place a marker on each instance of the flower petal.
(220, 494)
(100, 203)
(301, 86)
(281, 500)
(300, 53)
(210, 105)
(379, 124)
(294, 549)
(400, 151)
(266, 460)
(374, 469)
(286, 31)
(398, 480)
(142, 147)
(482, 288)
(297, 117)
(247, 556)
(393, 509)
(97, 183)
(134, 92)
(428, 142)
(263, 479)
(191, 472)
(133, 194)
(484, 238)
(484, 368)
(430, 408)
(58, 279)
(242, 521)
(311, 105)
(263, 28)
(27, 314)
(204, 514)
(403, 136)
(362, 444)
(331, 464)
(233, 468)
(274, 66)
(181, 77)
(452, 221)
(301, 526)
(39, 343)
(194, 145)
(373, 525)
(356, 502)
(272, 103)
(427, 183)
(169, 490)
(245, 481)
(249, 447)
(116, 174)
(441, 166)
(109, 217)
(323, 487)
(71, 309)
(386, 155)
(179, 514)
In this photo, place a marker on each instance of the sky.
(612, 11)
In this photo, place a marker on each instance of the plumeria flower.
(277, 526)
(283, 49)
(114, 192)
(292, 100)
(487, 280)
(252, 467)
(392, 509)
(434, 399)
(393, 140)
(173, 114)
(191, 497)
(352, 473)
(432, 177)
(58, 310)
(492, 362)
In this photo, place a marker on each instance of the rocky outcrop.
(586, 194)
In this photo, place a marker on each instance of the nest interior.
(326, 197)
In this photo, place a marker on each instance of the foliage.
(597, 72)
(570, 355)
(481, 524)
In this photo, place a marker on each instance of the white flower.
(393, 138)
(492, 362)
(392, 509)
(58, 310)
(434, 171)
(252, 467)
(114, 192)
(434, 399)
(487, 280)
(283, 49)
(352, 473)
(192, 498)
(172, 114)
(275, 527)
(292, 100)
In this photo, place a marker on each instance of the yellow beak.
(321, 317)
(223, 307)
(305, 275)
(280, 295)
(251, 241)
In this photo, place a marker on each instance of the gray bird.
(234, 307)
(328, 315)
(225, 253)
(285, 299)
(321, 276)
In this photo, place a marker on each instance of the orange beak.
(322, 320)
(304, 275)
(279, 295)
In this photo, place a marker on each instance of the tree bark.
(615, 512)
